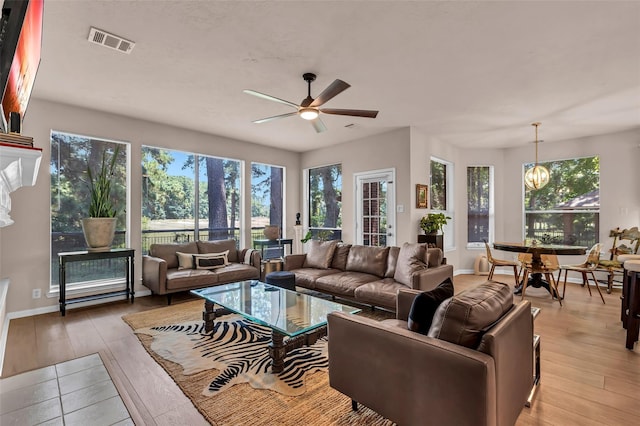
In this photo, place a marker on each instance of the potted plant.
(100, 227)
(433, 222)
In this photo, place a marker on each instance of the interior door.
(375, 208)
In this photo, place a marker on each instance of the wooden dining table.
(537, 250)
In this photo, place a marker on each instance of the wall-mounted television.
(20, 44)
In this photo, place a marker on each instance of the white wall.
(25, 245)
(387, 150)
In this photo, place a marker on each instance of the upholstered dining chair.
(500, 262)
(550, 264)
(589, 266)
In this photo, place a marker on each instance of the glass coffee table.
(298, 317)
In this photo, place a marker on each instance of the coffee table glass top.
(286, 311)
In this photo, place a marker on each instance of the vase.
(271, 232)
(99, 232)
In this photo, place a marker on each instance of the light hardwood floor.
(588, 377)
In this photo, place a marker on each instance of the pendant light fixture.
(537, 176)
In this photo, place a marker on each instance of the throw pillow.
(425, 305)
(185, 261)
(410, 260)
(320, 254)
(210, 260)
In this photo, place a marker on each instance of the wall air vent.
(111, 41)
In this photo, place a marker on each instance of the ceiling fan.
(309, 108)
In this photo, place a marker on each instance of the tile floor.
(76, 392)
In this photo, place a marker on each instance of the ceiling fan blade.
(318, 125)
(275, 117)
(354, 112)
(271, 98)
(335, 88)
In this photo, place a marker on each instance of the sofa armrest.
(255, 260)
(294, 261)
(402, 374)
(430, 278)
(404, 301)
(154, 274)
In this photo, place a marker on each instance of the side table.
(77, 256)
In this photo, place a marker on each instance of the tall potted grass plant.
(100, 227)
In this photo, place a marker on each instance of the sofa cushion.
(167, 252)
(425, 305)
(236, 272)
(320, 254)
(379, 293)
(462, 318)
(368, 260)
(307, 277)
(218, 246)
(340, 255)
(410, 260)
(184, 279)
(392, 260)
(343, 283)
(433, 257)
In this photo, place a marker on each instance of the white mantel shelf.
(18, 167)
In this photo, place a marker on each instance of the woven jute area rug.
(241, 404)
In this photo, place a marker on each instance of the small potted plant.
(433, 222)
(100, 227)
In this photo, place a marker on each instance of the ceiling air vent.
(111, 41)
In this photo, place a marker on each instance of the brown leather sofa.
(162, 272)
(368, 275)
(473, 368)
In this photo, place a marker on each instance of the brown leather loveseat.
(170, 268)
(368, 275)
(474, 367)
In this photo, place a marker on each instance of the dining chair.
(550, 264)
(625, 243)
(589, 266)
(501, 262)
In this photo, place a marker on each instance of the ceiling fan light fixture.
(308, 113)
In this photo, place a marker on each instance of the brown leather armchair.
(414, 379)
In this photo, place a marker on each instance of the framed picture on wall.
(422, 196)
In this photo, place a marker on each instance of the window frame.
(336, 232)
(449, 228)
(491, 214)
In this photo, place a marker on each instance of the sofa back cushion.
(167, 252)
(433, 257)
(370, 260)
(392, 260)
(320, 254)
(410, 260)
(219, 246)
(340, 256)
(463, 318)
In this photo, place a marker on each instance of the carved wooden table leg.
(208, 315)
(277, 351)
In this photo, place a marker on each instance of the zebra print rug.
(238, 349)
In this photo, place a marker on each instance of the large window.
(441, 184)
(325, 202)
(187, 197)
(567, 209)
(266, 198)
(479, 204)
(71, 155)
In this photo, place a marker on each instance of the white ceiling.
(467, 73)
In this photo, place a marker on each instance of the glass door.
(375, 212)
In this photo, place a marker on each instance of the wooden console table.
(77, 256)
